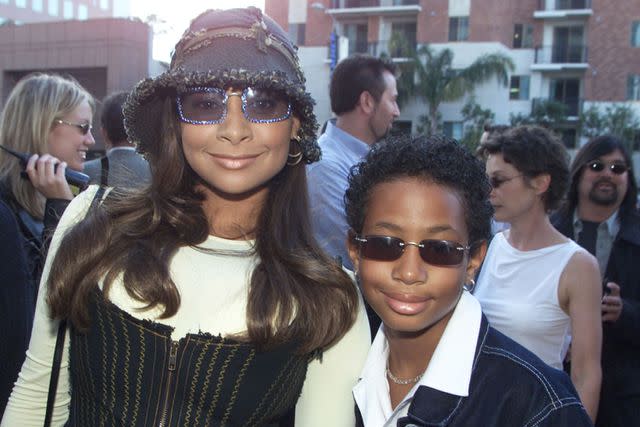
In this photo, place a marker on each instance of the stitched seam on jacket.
(540, 416)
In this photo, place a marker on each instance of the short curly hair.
(533, 151)
(435, 159)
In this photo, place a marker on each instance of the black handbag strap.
(55, 372)
(57, 353)
(104, 172)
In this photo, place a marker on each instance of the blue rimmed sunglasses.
(208, 105)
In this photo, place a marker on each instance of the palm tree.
(437, 81)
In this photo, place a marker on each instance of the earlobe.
(476, 256)
(295, 127)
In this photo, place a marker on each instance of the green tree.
(619, 120)
(546, 113)
(474, 118)
(437, 81)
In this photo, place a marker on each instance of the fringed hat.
(223, 48)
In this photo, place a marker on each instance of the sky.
(173, 17)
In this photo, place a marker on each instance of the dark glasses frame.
(599, 166)
(394, 247)
(85, 128)
(496, 182)
(225, 97)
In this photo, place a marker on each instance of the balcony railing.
(349, 4)
(393, 48)
(573, 104)
(561, 54)
(549, 5)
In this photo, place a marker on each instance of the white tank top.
(518, 292)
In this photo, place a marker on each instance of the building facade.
(82, 39)
(576, 52)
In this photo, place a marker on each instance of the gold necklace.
(402, 381)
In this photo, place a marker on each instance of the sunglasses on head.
(208, 105)
(599, 165)
(434, 252)
(84, 127)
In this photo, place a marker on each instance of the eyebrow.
(393, 227)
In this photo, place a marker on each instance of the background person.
(536, 286)
(600, 214)
(121, 166)
(50, 117)
(419, 214)
(205, 297)
(364, 98)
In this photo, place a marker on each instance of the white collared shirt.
(449, 370)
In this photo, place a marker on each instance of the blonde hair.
(28, 116)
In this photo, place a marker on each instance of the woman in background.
(50, 117)
(536, 286)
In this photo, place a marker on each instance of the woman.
(204, 299)
(536, 286)
(50, 117)
(420, 217)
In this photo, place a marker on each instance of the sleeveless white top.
(518, 292)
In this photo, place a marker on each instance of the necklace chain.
(403, 381)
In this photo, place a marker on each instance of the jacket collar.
(431, 407)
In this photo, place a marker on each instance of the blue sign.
(333, 50)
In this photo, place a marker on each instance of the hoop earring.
(295, 158)
(469, 286)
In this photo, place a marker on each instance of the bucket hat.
(224, 48)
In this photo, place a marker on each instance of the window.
(21, 3)
(453, 130)
(522, 36)
(53, 7)
(357, 35)
(458, 28)
(83, 12)
(104, 4)
(36, 5)
(296, 33)
(519, 88)
(635, 34)
(633, 87)
(67, 11)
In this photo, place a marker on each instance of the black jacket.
(509, 387)
(620, 394)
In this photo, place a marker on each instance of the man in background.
(122, 166)
(601, 215)
(363, 96)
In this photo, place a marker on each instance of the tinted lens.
(266, 105)
(202, 106)
(618, 168)
(596, 166)
(441, 252)
(381, 248)
(85, 128)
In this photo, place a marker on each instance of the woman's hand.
(47, 179)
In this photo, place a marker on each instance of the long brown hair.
(296, 293)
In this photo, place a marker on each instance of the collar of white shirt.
(449, 370)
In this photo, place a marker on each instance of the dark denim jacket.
(509, 387)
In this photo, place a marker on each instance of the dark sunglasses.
(599, 165)
(497, 182)
(84, 127)
(434, 252)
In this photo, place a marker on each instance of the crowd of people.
(231, 265)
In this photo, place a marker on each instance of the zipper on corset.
(173, 359)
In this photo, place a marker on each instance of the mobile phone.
(76, 178)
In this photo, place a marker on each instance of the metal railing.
(561, 54)
(349, 4)
(550, 5)
(573, 104)
(393, 48)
